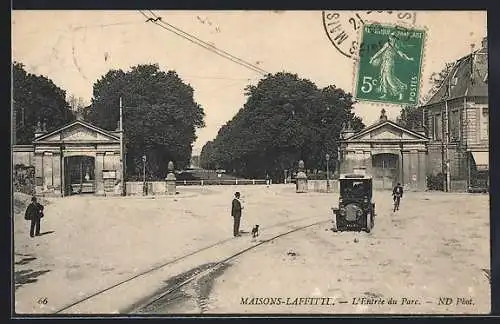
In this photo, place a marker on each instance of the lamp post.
(327, 156)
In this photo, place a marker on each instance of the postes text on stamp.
(389, 65)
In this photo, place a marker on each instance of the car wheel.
(335, 228)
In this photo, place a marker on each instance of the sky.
(75, 48)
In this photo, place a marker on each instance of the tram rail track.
(215, 267)
(181, 258)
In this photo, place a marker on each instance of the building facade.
(388, 152)
(76, 158)
(457, 121)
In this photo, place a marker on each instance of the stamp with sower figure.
(389, 65)
(388, 56)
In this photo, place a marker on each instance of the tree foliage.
(36, 99)
(410, 117)
(207, 158)
(284, 120)
(77, 105)
(437, 79)
(159, 112)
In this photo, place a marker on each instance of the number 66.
(368, 84)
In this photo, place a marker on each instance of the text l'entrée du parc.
(330, 301)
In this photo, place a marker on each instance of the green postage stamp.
(389, 66)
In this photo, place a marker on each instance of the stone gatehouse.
(76, 158)
(388, 152)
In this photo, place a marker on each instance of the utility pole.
(447, 134)
(327, 157)
(14, 122)
(122, 155)
(144, 188)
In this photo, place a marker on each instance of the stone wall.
(434, 158)
(135, 188)
(23, 155)
(320, 186)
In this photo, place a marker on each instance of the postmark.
(344, 28)
(390, 64)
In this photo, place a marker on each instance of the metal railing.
(220, 182)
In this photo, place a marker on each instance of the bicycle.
(397, 200)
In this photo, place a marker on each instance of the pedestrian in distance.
(397, 194)
(34, 213)
(236, 214)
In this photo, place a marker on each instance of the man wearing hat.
(34, 213)
(236, 213)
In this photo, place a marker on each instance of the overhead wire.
(157, 20)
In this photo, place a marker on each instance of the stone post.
(170, 180)
(98, 172)
(301, 179)
(39, 173)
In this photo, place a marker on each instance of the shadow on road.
(23, 277)
(45, 233)
(24, 261)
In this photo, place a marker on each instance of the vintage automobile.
(355, 211)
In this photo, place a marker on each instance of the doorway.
(79, 175)
(385, 169)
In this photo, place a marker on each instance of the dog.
(255, 231)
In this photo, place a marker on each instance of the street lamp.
(327, 156)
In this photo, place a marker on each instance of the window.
(454, 126)
(430, 127)
(484, 124)
(438, 127)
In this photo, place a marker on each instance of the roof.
(468, 77)
(382, 123)
(111, 135)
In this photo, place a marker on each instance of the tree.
(437, 79)
(410, 117)
(285, 119)
(207, 160)
(37, 99)
(159, 112)
(77, 105)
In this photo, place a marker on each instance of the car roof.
(354, 176)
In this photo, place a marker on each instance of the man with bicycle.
(397, 194)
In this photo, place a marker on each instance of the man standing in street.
(236, 213)
(34, 213)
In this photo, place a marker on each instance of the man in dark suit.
(34, 213)
(236, 213)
